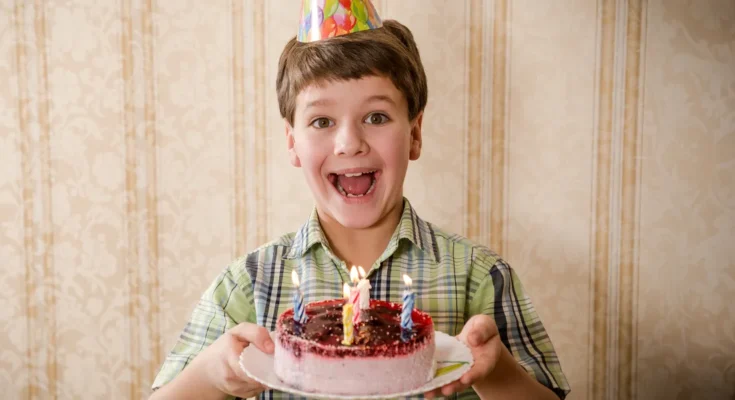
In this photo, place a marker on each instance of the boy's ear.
(290, 144)
(416, 139)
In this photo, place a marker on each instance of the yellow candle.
(347, 317)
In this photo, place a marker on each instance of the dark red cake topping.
(378, 333)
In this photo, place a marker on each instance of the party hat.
(322, 19)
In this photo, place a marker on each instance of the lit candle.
(347, 317)
(364, 288)
(299, 312)
(355, 295)
(354, 276)
(408, 301)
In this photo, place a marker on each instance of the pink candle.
(364, 288)
(355, 295)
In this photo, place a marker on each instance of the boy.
(352, 91)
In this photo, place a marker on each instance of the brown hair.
(389, 51)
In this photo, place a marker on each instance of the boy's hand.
(220, 361)
(480, 334)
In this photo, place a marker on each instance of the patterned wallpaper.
(591, 143)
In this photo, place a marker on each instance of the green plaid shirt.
(453, 279)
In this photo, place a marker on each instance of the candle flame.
(407, 280)
(295, 278)
(353, 275)
(361, 271)
(346, 291)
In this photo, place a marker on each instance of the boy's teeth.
(372, 186)
(344, 193)
(358, 174)
(339, 187)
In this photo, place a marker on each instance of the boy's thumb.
(255, 335)
(479, 330)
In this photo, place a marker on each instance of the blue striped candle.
(408, 303)
(299, 311)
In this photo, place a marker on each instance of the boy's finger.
(475, 373)
(255, 334)
(477, 339)
(250, 391)
(454, 387)
(481, 330)
(478, 330)
(234, 362)
(447, 389)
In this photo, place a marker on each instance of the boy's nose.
(349, 142)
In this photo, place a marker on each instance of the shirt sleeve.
(227, 302)
(500, 294)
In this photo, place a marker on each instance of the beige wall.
(590, 143)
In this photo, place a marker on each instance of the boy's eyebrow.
(326, 102)
(318, 102)
(380, 97)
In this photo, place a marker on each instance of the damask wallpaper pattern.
(592, 144)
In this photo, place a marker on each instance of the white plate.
(452, 356)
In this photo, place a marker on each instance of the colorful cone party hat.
(322, 19)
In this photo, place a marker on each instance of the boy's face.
(353, 141)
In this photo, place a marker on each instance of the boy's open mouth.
(355, 184)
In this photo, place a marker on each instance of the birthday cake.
(380, 357)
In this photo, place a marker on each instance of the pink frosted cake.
(312, 357)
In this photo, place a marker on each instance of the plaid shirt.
(453, 279)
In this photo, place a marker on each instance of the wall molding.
(261, 128)
(40, 287)
(141, 199)
(151, 209)
(630, 196)
(601, 200)
(240, 168)
(615, 186)
(499, 125)
(131, 197)
(250, 130)
(46, 229)
(26, 190)
(474, 138)
(486, 168)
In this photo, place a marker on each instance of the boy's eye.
(321, 123)
(377, 119)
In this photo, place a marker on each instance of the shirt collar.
(410, 228)
(307, 236)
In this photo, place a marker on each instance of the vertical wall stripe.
(630, 191)
(261, 179)
(486, 114)
(505, 214)
(474, 119)
(131, 198)
(149, 105)
(46, 231)
(601, 201)
(238, 128)
(499, 125)
(27, 191)
(613, 290)
(616, 190)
